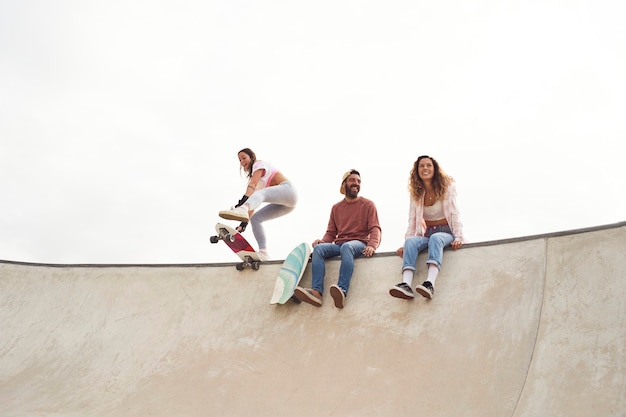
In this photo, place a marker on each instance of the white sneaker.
(263, 255)
(235, 213)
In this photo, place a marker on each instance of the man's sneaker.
(339, 297)
(295, 299)
(402, 290)
(306, 295)
(235, 213)
(426, 289)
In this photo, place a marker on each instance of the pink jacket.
(450, 210)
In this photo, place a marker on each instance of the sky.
(120, 121)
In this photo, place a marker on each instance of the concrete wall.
(521, 327)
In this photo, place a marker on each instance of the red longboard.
(239, 245)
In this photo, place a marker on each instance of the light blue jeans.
(282, 199)
(435, 243)
(348, 252)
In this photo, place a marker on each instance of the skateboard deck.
(290, 273)
(239, 245)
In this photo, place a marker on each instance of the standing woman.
(266, 184)
(434, 223)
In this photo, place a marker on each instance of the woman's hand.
(242, 226)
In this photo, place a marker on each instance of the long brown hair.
(440, 180)
(252, 156)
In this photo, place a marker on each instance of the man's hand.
(369, 251)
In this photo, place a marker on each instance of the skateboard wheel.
(239, 267)
(255, 266)
(214, 239)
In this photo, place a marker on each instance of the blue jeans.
(348, 251)
(436, 239)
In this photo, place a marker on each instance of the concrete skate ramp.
(523, 327)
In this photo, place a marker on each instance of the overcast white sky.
(120, 121)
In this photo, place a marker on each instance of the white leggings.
(282, 199)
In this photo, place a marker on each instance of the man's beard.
(350, 193)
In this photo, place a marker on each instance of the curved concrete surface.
(522, 327)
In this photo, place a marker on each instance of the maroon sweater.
(354, 220)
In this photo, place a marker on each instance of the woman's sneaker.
(402, 290)
(235, 213)
(426, 289)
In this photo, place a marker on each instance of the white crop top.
(266, 179)
(434, 212)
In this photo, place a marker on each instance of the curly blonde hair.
(440, 181)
